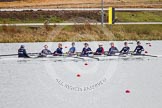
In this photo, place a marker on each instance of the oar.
(15, 54)
(145, 55)
(33, 53)
(78, 57)
(150, 55)
(93, 57)
(8, 55)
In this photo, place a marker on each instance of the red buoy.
(86, 64)
(127, 91)
(78, 75)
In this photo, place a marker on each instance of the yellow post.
(110, 13)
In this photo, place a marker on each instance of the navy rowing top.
(100, 50)
(125, 50)
(46, 51)
(113, 50)
(59, 51)
(22, 53)
(139, 49)
(85, 51)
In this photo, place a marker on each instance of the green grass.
(139, 16)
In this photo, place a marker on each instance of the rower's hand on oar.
(88, 51)
(117, 51)
(106, 53)
(131, 52)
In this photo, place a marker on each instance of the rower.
(22, 52)
(86, 50)
(72, 50)
(125, 49)
(113, 50)
(100, 50)
(58, 51)
(45, 52)
(139, 48)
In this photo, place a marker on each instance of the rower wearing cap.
(125, 49)
(139, 48)
(72, 50)
(86, 50)
(22, 52)
(45, 52)
(112, 50)
(58, 51)
(100, 50)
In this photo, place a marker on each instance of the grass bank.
(76, 16)
(139, 16)
(80, 33)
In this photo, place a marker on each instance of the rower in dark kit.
(86, 50)
(113, 50)
(45, 52)
(125, 49)
(58, 51)
(100, 50)
(72, 50)
(139, 48)
(22, 52)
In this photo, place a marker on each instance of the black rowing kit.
(125, 50)
(22, 53)
(138, 50)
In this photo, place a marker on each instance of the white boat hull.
(75, 58)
